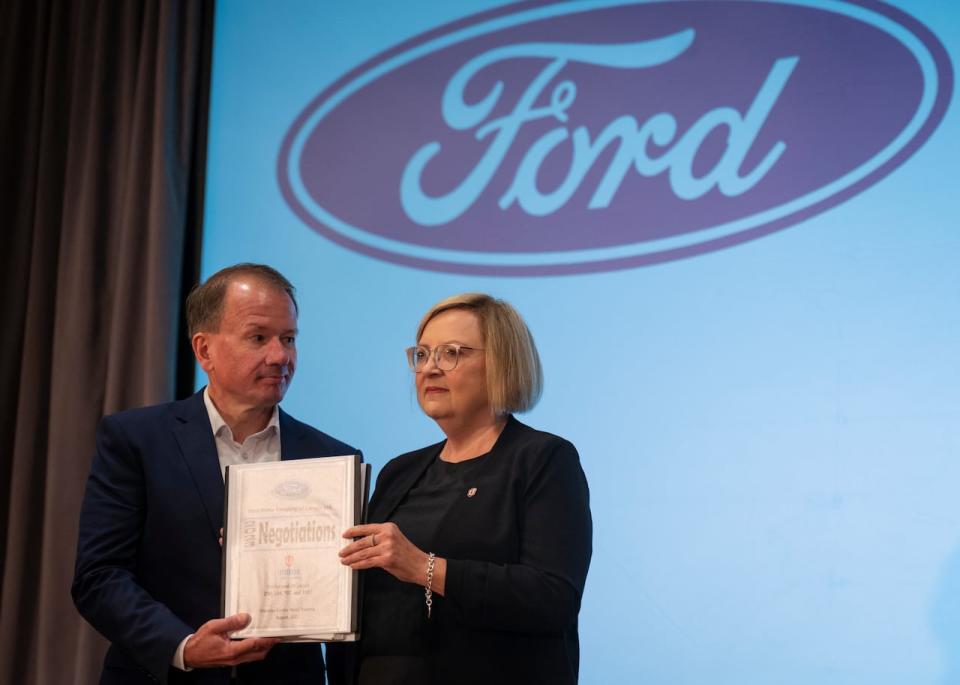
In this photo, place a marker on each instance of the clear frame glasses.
(445, 356)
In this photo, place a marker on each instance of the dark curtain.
(102, 127)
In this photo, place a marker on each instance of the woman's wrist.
(436, 578)
(434, 574)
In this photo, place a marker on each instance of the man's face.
(250, 360)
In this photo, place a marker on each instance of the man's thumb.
(235, 622)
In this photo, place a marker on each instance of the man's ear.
(201, 350)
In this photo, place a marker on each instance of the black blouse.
(394, 653)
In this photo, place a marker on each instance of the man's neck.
(243, 421)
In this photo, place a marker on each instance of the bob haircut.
(514, 374)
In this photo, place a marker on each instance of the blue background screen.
(768, 413)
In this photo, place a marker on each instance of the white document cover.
(282, 531)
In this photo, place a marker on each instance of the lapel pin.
(471, 492)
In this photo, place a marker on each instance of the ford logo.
(579, 137)
(292, 489)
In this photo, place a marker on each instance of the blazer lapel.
(382, 508)
(199, 449)
(292, 442)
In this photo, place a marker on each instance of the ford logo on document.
(292, 489)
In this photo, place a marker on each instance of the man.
(148, 557)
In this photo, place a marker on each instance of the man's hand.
(212, 646)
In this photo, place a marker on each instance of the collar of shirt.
(262, 446)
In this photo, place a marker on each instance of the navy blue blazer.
(148, 570)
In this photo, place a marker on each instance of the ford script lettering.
(633, 142)
(578, 137)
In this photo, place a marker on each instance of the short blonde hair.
(514, 374)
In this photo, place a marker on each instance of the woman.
(479, 545)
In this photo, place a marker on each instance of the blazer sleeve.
(541, 592)
(105, 588)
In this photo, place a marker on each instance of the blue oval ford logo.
(578, 137)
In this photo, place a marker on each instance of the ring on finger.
(373, 540)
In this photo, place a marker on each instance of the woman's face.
(460, 395)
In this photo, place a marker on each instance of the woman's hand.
(383, 545)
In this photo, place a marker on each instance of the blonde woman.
(479, 545)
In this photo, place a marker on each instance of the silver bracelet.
(428, 588)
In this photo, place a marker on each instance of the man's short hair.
(514, 373)
(205, 301)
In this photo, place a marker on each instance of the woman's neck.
(469, 442)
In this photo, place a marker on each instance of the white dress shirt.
(262, 446)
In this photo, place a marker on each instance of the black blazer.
(148, 557)
(517, 558)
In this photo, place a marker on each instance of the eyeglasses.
(446, 356)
